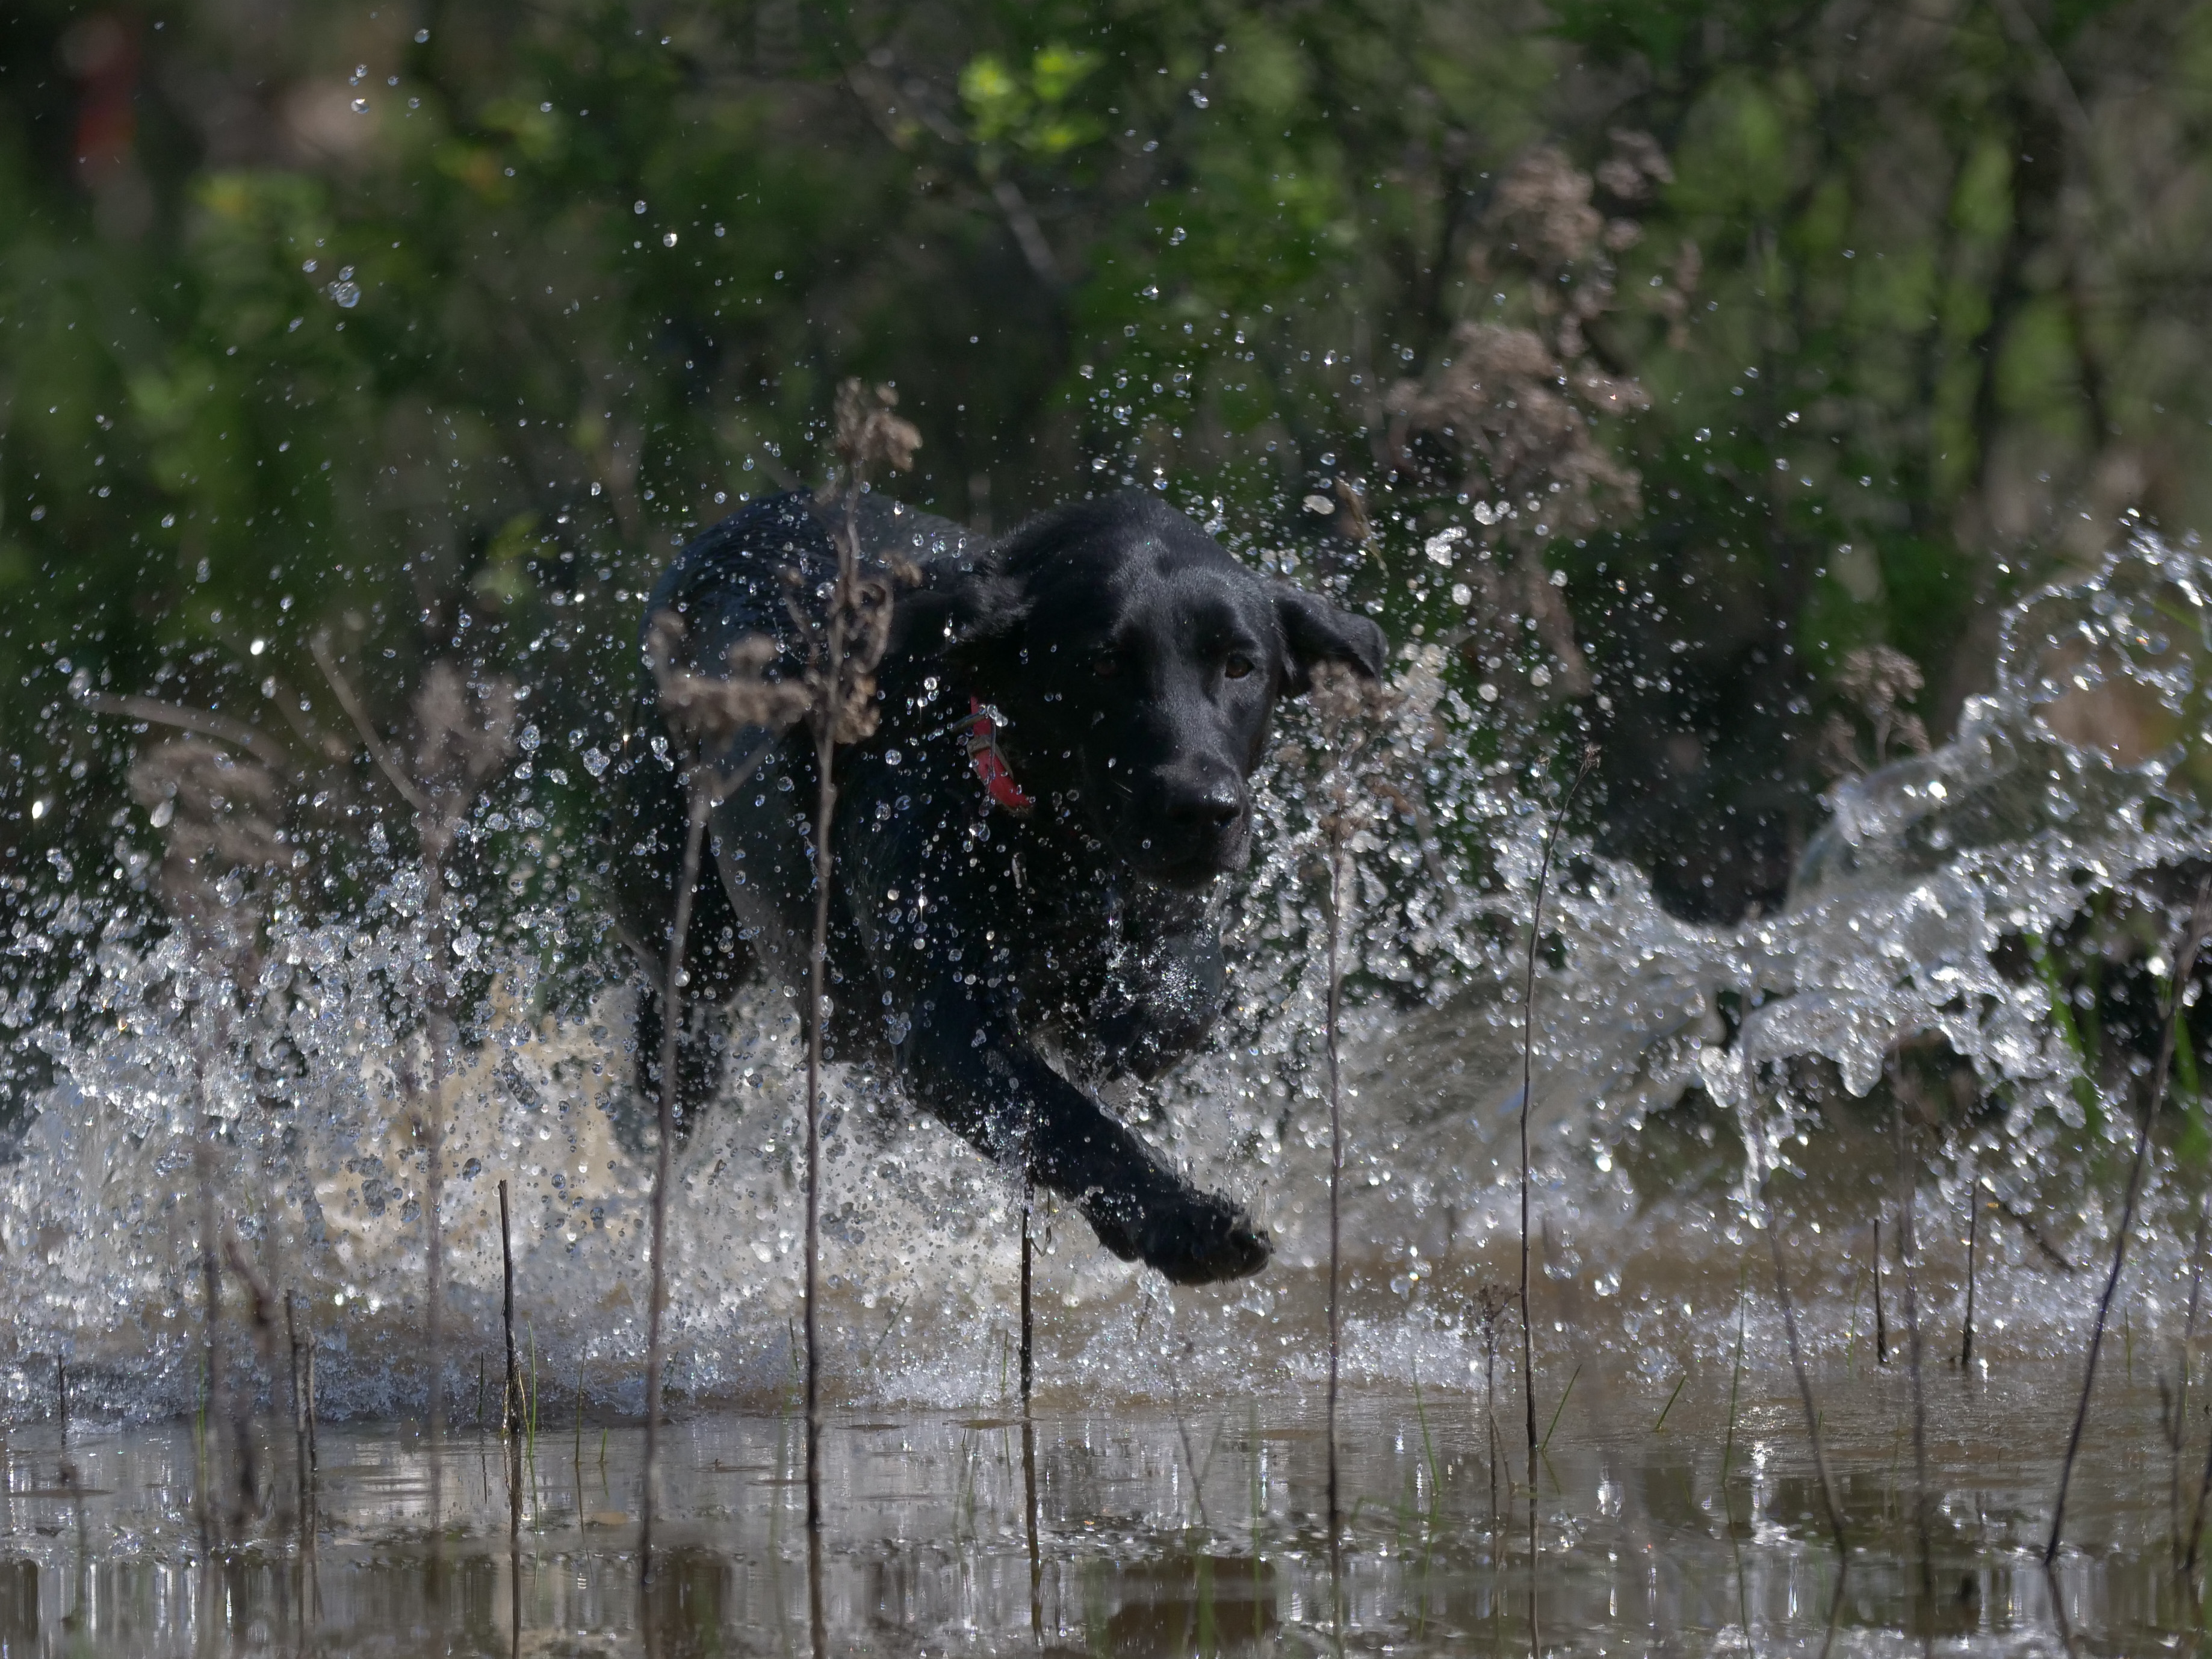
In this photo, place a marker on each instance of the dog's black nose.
(1204, 803)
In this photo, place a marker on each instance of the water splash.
(2085, 770)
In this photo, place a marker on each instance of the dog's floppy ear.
(1314, 632)
(983, 624)
(959, 616)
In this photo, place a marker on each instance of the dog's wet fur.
(1135, 666)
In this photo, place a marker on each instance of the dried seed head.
(1353, 711)
(1508, 416)
(1636, 163)
(217, 813)
(1879, 677)
(464, 731)
(1839, 752)
(1544, 203)
(711, 710)
(1352, 496)
(1346, 699)
(868, 434)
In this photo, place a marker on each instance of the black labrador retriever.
(1024, 850)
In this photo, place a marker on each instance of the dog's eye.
(1105, 665)
(1238, 666)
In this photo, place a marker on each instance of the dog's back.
(737, 579)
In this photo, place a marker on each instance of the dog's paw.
(1195, 1238)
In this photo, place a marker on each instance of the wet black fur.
(1137, 666)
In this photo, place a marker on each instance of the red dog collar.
(990, 762)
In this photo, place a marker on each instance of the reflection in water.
(1156, 1534)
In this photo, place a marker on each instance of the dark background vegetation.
(439, 326)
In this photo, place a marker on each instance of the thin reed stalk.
(2177, 1430)
(1350, 709)
(430, 1115)
(1029, 1517)
(261, 1309)
(1907, 1253)
(1489, 1419)
(299, 1398)
(434, 1205)
(1028, 1368)
(825, 810)
(510, 1396)
(2196, 1536)
(699, 800)
(1834, 1512)
(211, 1528)
(846, 646)
(2185, 964)
(465, 731)
(826, 721)
(1491, 1301)
(314, 1450)
(1558, 1409)
(817, 967)
(1527, 1103)
(1735, 1382)
(1973, 1240)
(1881, 1320)
(1335, 1006)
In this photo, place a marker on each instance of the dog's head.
(1139, 666)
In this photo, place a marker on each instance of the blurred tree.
(440, 324)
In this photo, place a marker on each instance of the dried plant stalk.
(211, 1525)
(2177, 1430)
(1509, 412)
(510, 1399)
(1349, 708)
(465, 731)
(299, 1402)
(705, 712)
(835, 696)
(1974, 1243)
(2185, 964)
(1907, 1253)
(1527, 1103)
(1881, 1320)
(694, 832)
(1028, 1208)
(1834, 1511)
(842, 674)
(463, 734)
(261, 1313)
(217, 813)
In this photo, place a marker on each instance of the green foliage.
(448, 342)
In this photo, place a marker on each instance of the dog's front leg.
(967, 1064)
